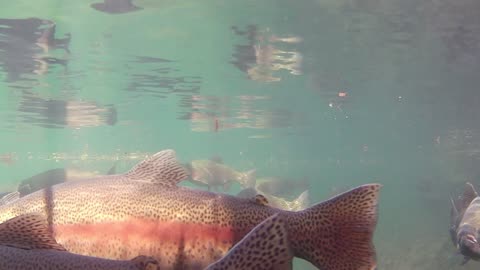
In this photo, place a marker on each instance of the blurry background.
(341, 92)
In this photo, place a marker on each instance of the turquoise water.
(340, 92)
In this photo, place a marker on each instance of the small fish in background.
(213, 174)
(48, 179)
(115, 6)
(250, 252)
(281, 187)
(27, 243)
(298, 204)
(465, 223)
(56, 176)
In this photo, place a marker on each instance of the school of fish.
(144, 212)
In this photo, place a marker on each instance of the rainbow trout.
(144, 212)
(27, 244)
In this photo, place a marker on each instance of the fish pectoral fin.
(251, 251)
(28, 231)
(161, 168)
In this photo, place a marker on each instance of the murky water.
(338, 92)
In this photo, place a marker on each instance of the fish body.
(27, 244)
(145, 212)
(20, 259)
(465, 223)
(214, 174)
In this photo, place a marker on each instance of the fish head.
(468, 243)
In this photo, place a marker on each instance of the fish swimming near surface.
(55, 176)
(300, 203)
(27, 244)
(144, 212)
(266, 247)
(465, 223)
(213, 174)
(47, 179)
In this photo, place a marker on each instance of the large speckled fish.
(266, 247)
(213, 174)
(465, 223)
(145, 212)
(27, 244)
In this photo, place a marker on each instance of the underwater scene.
(274, 134)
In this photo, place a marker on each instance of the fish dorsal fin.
(265, 247)
(260, 199)
(469, 193)
(161, 168)
(28, 231)
(302, 202)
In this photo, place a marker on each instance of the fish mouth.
(469, 246)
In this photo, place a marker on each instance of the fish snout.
(469, 246)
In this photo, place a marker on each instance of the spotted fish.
(465, 223)
(266, 247)
(27, 244)
(144, 212)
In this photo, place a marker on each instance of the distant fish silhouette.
(115, 6)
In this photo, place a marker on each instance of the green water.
(408, 120)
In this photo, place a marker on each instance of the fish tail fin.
(264, 247)
(145, 262)
(338, 233)
(248, 179)
(301, 203)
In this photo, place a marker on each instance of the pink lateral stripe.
(142, 229)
